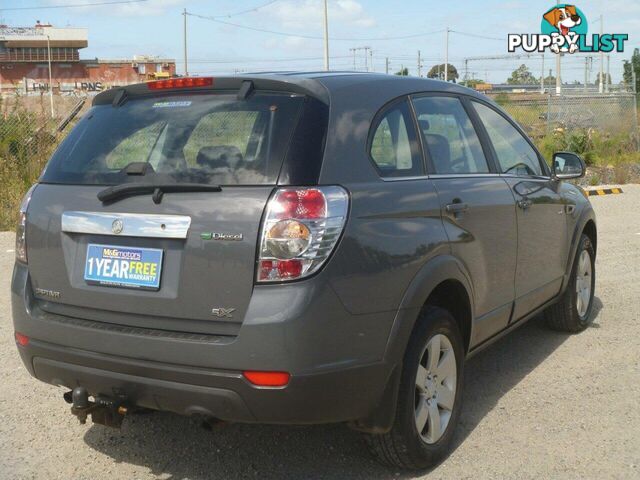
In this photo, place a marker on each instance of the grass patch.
(599, 149)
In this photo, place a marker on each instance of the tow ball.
(104, 411)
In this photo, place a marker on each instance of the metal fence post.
(635, 120)
(549, 113)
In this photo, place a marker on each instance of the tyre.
(572, 312)
(430, 395)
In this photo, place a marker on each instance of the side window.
(515, 154)
(449, 136)
(393, 145)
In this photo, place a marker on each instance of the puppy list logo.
(564, 30)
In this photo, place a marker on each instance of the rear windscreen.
(202, 138)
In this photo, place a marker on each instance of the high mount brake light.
(300, 230)
(181, 82)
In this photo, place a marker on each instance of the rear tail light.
(267, 379)
(181, 82)
(21, 228)
(300, 230)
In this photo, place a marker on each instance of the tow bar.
(104, 411)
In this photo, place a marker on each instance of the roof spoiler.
(239, 85)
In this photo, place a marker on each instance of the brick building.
(24, 62)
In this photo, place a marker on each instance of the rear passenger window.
(393, 145)
(515, 155)
(449, 136)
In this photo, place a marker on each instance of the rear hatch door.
(159, 257)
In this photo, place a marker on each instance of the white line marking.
(12, 251)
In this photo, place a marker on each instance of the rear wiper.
(117, 192)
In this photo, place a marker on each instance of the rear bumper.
(321, 398)
(335, 375)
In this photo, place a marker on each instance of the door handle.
(524, 203)
(457, 207)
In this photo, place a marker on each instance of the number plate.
(128, 267)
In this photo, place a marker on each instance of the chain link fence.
(540, 114)
(603, 128)
(29, 133)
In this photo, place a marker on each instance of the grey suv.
(294, 249)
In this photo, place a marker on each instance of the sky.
(223, 44)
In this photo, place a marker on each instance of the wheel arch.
(590, 231)
(586, 224)
(441, 282)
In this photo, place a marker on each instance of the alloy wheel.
(435, 388)
(583, 283)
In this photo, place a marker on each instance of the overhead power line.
(475, 35)
(249, 10)
(73, 5)
(262, 60)
(311, 37)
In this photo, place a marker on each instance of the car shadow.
(176, 447)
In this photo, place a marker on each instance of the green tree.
(437, 71)
(550, 81)
(631, 66)
(403, 72)
(606, 77)
(522, 76)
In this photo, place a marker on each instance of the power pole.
(50, 81)
(558, 69)
(607, 79)
(326, 36)
(367, 53)
(542, 77)
(386, 65)
(186, 69)
(366, 57)
(601, 84)
(466, 72)
(419, 65)
(446, 56)
(586, 73)
(558, 75)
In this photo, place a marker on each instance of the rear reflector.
(21, 339)
(182, 82)
(267, 379)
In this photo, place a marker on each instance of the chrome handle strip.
(126, 224)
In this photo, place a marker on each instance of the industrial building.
(27, 52)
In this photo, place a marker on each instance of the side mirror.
(567, 165)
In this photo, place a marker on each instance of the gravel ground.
(538, 404)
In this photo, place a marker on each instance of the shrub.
(597, 148)
(25, 146)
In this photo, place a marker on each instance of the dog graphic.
(564, 19)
